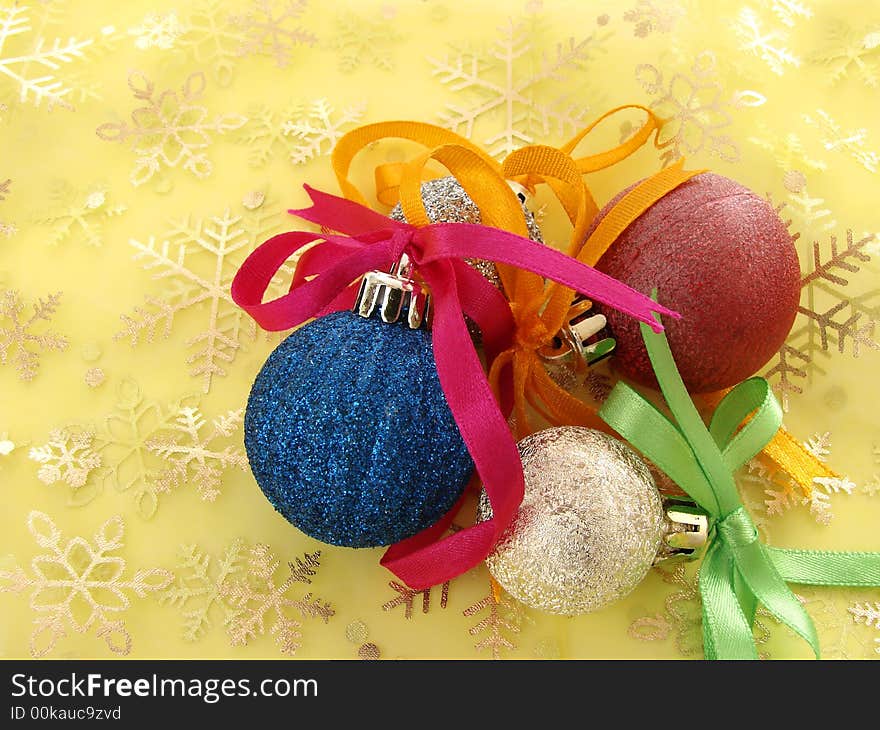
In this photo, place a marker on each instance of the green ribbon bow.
(738, 571)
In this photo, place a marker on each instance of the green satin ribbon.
(738, 571)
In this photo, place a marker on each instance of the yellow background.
(744, 85)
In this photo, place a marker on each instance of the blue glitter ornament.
(349, 434)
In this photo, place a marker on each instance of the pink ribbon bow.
(326, 279)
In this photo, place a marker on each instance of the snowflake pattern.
(649, 16)
(266, 31)
(852, 142)
(197, 587)
(807, 210)
(121, 439)
(502, 620)
(767, 45)
(169, 129)
(790, 11)
(258, 599)
(682, 616)
(786, 149)
(264, 133)
(499, 83)
(199, 259)
(16, 65)
(211, 39)
(67, 457)
(17, 336)
(157, 31)
(829, 317)
(839, 636)
(849, 52)
(78, 585)
(6, 229)
(361, 40)
(79, 214)
(407, 598)
(315, 130)
(782, 493)
(194, 456)
(694, 109)
(867, 614)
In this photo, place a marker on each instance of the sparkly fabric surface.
(146, 147)
(349, 435)
(589, 526)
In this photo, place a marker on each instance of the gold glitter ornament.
(590, 526)
(446, 201)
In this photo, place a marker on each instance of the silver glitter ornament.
(590, 526)
(447, 202)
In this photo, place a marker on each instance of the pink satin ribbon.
(326, 280)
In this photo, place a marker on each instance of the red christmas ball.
(719, 255)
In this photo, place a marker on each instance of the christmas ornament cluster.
(369, 425)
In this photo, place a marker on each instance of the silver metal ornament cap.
(395, 295)
(686, 530)
(574, 337)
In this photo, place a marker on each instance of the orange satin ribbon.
(539, 310)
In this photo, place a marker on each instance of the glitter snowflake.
(193, 453)
(264, 133)
(169, 129)
(121, 439)
(157, 31)
(211, 39)
(67, 457)
(683, 617)
(867, 614)
(407, 598)
(500, 84)
(17, 336)
(790, 11)
(6, 229)
(268, 31)
(197, 587)
(765, 44)
(786, 149)
(840, 637)
(852, 142)
(17, 61)
(502, 619)
(649, 16)
(198, 259)
(782, 493)
(79, 214)
(316, 131)
(78, 585)
(258, 598)
(829, 317)
(849, 52)
(361, 40)
(694, 110)
(808, 211)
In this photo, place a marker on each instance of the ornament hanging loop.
(395, 294)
